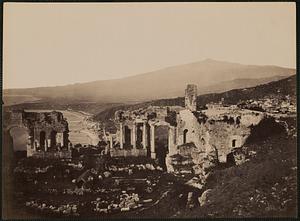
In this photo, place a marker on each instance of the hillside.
(282, 87)
(210, 76)
(62, 104)
(263, 186)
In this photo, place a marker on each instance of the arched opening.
(53, 138)
(42, 140)
(20, 138)
(203, 141)
(185, 136)
(65, 139)
(233, 143)
(162, 144)
(139, 135)
(230, 159)
(127, 133)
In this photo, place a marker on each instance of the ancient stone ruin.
(164, 132)
(191, 97)
(47, 132)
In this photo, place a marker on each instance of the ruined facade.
(144, 132)
(47, 132)
(159, 132)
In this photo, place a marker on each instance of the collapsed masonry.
(47, 133)
(164, 132)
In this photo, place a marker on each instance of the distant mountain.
(279, 88)
(209, 75)
(238, 84)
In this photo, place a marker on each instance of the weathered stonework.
(191, 97)
(47, 132)
(162, 132)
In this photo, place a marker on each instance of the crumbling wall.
(225, 137)
(15, 118)
(191, 97)
(209, 140)
(128, 153)
(189, 130)
(229, 130)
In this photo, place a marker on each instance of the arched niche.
(53, 138)
(20, 137)
(185, 132)
(43, 140)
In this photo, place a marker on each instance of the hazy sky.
(55, 44)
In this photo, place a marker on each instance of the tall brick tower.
(191, 97)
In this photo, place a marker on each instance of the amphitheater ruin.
(160, 132)
(47, 132)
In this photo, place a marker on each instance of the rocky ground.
(125, 188)
(264, 184)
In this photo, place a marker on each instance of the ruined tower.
(191, 97)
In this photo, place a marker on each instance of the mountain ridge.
(283, 87)
(163, 83)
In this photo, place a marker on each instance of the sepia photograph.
(149, 110)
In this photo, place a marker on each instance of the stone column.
(172, 148)
(144, 135)
(106, 149)
(31, 143)
(152, 148)
(36, 145)
(134, 136)
(59, 139)
(29, 146)
(121, 136)
(110, 142)
(47, 144)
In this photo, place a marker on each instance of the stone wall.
(188, 129)
(114, 152)
(222, 131)
(53, 155)
(46, 130)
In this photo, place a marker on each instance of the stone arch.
(20, 135)
(185, 135)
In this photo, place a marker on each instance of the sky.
(51, 44)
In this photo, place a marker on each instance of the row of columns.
(59, 140)
(133, 135)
